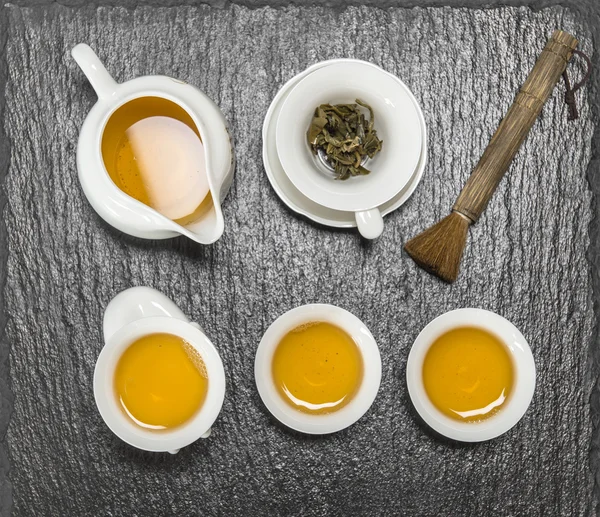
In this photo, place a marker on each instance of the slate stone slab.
(526, 260)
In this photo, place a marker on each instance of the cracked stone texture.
(526, 260)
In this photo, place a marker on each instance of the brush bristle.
(439, 248)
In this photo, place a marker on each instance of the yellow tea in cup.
(153, 152)
(160, 381)
(468, 374)
(317, 368)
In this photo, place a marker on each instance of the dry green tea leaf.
(346, 137)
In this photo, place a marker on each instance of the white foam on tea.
(170, 158)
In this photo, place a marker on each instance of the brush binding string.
(570, 100)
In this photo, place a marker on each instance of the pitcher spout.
(205, 229)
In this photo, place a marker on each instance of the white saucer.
(291, 196)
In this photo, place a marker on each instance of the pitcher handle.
(104, 85)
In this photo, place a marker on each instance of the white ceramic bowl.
(331, 422)
(524, 376)
(108, 405)
(286, 190)
(396, 120)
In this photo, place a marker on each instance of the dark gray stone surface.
(526, 260)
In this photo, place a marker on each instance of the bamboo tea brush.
(440, 248)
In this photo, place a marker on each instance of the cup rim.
(114, 416)
(362, 400)
(523, 364)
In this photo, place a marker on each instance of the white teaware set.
(310, 190)
(140, 311)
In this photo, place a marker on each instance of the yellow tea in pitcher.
(468, 373)
(317, 368)
(153, 152)
(160, 381)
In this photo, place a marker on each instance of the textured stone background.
(526, 260)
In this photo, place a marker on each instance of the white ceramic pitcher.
(115, 206)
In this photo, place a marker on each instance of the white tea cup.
(319, 423)
(131, 315)
(397, 122)
(515, 405)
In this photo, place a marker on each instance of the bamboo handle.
(515, 126)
